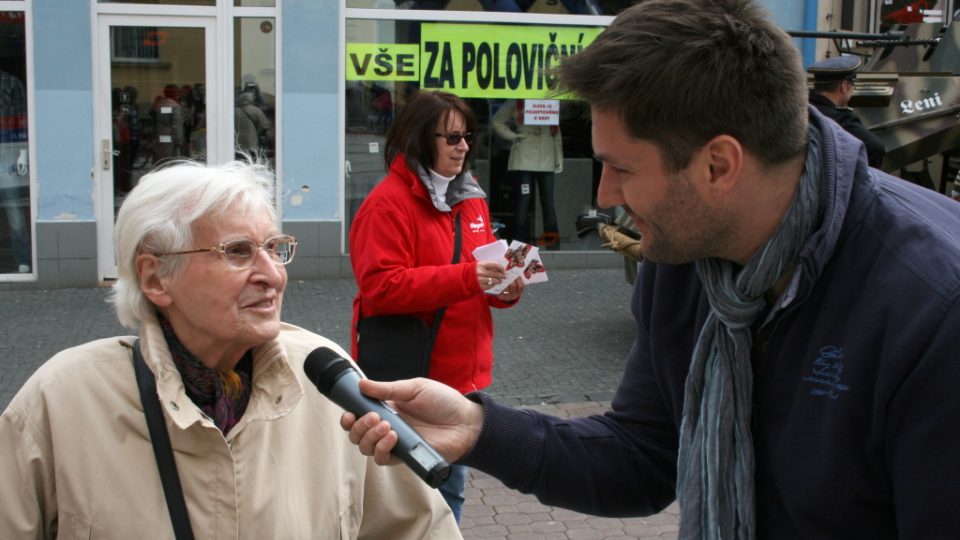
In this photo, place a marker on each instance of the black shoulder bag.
(394, 347)
(161, 447)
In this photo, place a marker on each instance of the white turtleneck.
(440, 183)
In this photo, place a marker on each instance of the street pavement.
(561, 350)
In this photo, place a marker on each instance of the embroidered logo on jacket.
(827, 369)
(478, 225)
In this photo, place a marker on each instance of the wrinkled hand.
(513, 291)
(490, 274)
(449, 422)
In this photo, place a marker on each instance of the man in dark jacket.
(796, 363)
(833, 80)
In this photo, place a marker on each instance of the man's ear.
(722, 158)
(153, 286)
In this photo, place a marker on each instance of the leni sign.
(473, 60)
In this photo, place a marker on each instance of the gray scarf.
(715, 467)
(462, 187)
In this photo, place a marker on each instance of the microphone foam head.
(323, 367)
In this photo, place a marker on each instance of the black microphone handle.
(411, 448)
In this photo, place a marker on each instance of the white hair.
(159, 214)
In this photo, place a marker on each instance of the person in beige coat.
(536, 156)
(258, 450)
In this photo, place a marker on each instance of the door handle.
(106, 155)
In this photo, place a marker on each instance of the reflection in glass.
(158, 101)
(564, 7)
(163, 2)
(372, 101)
(255, 90)
(894, 12)
(15, 227)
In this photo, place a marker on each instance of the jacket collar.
(275, 389)
(464, 186)
(844, 163)
(821, 100)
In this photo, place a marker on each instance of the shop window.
(16, 255)
(163, 2)
(237, 3)
(137, 44)
(560, 7)
(498, 69)
(255, 88)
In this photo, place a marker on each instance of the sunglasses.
(453, 139)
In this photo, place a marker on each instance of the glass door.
(154, 89)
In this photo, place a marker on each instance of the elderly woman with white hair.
(255, 450)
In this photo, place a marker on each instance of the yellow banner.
(496, 61)
(473, 60)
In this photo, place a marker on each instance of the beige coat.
(532, 148)
(76, 460)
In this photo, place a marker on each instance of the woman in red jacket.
(402, 243)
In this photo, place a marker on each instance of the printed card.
(520, 260)
(491, 252)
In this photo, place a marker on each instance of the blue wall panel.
(64, 146)
(311, 185)
(796, 15)
(311, 49)
(64, 109)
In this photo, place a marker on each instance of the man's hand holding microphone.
(438, 424)
(449, 422)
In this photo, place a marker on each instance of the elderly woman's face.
(219, 312)
(450, 157)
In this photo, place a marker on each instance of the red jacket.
(401, 247)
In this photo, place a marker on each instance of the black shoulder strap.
(456, 259)
(161, 447)
(456, 239)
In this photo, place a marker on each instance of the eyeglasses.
(241, 254)
(453, 139)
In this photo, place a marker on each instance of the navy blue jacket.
(856, 418)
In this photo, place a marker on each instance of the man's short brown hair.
(681, 72)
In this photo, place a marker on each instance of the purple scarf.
(221, 395)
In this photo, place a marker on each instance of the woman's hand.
(513, 291)
(490, 274)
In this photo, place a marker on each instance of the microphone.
(337, 379)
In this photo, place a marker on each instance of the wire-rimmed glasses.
(241, 254)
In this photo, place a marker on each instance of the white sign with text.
(541, 112)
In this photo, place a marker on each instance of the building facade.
(98, 93)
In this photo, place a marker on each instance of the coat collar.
(842, 165)
(464, 186)
(272, 376)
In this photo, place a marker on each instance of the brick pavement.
(560, 351)
(493, 511)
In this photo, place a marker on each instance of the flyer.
(519, 259)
